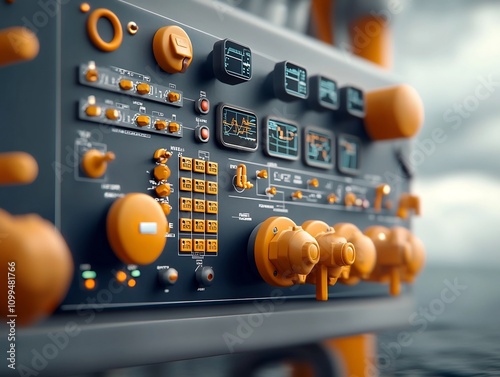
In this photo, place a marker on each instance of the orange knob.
(17, 168)
(136, 228)
(37, 255)
(393, 112)
(161, 172)
(284, 253)
(400, 256)
(18, 44)
(95, 163)
(365, 253)
(349, 199)
(335, 252)
(408, 202)
(172, 49)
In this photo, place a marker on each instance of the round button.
(18, 44)
(394, 112)
(136, 227)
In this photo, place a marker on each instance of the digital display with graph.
(237, 128)
(319, 148)
(282, 139)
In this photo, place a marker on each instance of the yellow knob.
(95, 163)
(172, 49)
(37, 255)
(271, 191)
(136, 228)
(313, 182)
(284, 253)
(161, 172)
(262, 174)
(17, 44)
(393, 112)
(297, 194)
(17, 168)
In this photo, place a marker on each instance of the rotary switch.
(37, 255)
(283, 252)
(136, 228)
(400, 256)
(366, 254)
(335, 253)
(95, 163)
(393, 112)
(172, 49)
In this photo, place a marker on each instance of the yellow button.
(92, 75)
(185, 163)
(186, 204)
(89, 284)
(136, 227)
(17, 168)
(212, 188)
(199, 205)
(212, 168)
(212, 207)
(143, 120)
(93, 111)
(173, 96)
(199, 226)
(143, 88)
(185, 225)
(185, 245)
(212, 246)
(199, 185)
(212, 226)
(112, 114)
(174, 127)
(160, 124)
(199, 166)
(185, 184)
(126, 84)
(199, 245)
(121, 276)
(163, 190)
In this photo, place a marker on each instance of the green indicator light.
(135, 273)
(89, 274)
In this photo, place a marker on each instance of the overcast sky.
(450, 51)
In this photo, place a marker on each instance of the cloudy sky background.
(447, 49)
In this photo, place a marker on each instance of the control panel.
(179, 167)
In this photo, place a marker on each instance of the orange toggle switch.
(381, 191)
(162, 155)
(241, 177)
(335, 252)
(17, 168)
(350, 199)
(297, 195)
(408, 202)
(95, 163)
(18, 44)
